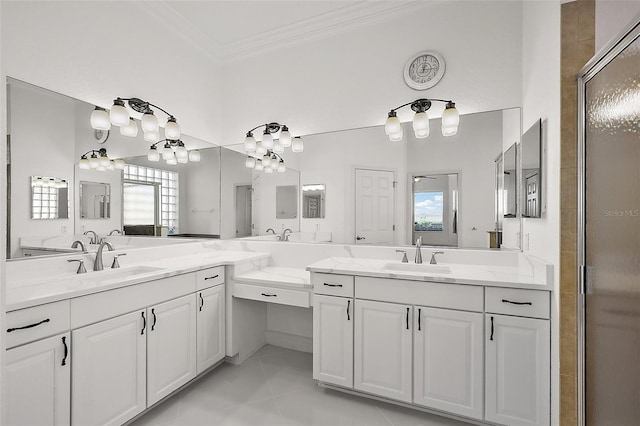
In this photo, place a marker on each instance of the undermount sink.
(113, 274)
(417, 268)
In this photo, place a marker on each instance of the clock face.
(424, 70)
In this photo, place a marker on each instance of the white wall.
(612, 17)
(511, 131)
(354, 79)
(263, 201)
(233, 173)
(541, 99)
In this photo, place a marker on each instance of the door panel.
(375, 196)
(333, 340)
(211, 327)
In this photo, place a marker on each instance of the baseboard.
(289, 341)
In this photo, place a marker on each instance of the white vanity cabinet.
(333, 340)
(210, 327)
(38, 377)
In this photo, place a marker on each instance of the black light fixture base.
(272, 127)
(139, 105)
(421, 105)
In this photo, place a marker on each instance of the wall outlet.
(63, 229)
(526, 241)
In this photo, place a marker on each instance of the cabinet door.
(210, 323)
(448, 361)
(333, 340)
(109, 370)
(39, 383)
(383, 349)
(517, 370)
(171, 346)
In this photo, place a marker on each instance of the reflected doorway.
(243, 211)
(435, 209)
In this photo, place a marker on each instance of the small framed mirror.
(313, 203)
(49, 198)
(95, 200)
(532, 170)
(510, 189)
(287, 202)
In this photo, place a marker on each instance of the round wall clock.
(424, 70)
(101, 135)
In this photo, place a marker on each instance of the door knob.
(360, 238)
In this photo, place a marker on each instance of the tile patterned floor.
(275, 387)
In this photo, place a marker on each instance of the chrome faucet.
(77, 243)
(81, 269)
(94, 239)
(271, 230)
(285, 236)
(115, 230)
(433, 257)
(97, 265)
(418, 252)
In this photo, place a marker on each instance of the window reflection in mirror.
(510, 190)
(313, 201)
(435, 209)
(49, 198)
(95, 200)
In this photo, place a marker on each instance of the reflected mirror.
(532, 170)
(313, 201)
(95, 200)
(510, 188)
(49, 198)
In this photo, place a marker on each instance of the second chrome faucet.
(418, 251)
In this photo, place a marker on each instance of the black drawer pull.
(419, 316)
(333, 285)
(211, 278)
(66, 350)
(144, 323)
(9, 330)
(407, 318)
(153, 326)
(348, 306)
(516, 303)
(269, 295)
(491, 338)
(201, 302)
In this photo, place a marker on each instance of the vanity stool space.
(475, 351)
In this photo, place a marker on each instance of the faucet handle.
(433, 257)
(115, 263)
(404, 256)
(81, 268)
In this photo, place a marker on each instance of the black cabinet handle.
(66, 350)
(9, 330)
(333, 285)
(516, 303)
(144, 323)
(491, 338)
(407, 318)
(211, 278)
(348, 306)
(201, 302)
(153, 326)
(269, 295)
(419, 317)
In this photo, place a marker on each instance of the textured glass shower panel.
(612, 242)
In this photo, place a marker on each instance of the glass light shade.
(297, 145)
(172, 130)
(149, 123)
(119, 115)
(119, 163)
(250, 162)
(153, 154)
(250, 143)
(396, 137)
(392, 125)
(259, 166)
(450, 117)
(172, 161)
(64, 184)
(183, 160)
(83, 164)
(101, 169)
(94, 163)
(100, 119)
(266, 161)
(104, 161)
(421, 125)
(268, 170)
(194, 156)
(261, 150)
(50, 183)
(267, 140)
(285, 138)
(152, 137)
(112, 166)
(278, 147)
(274, 164)
(130, 130)
(167, 153)
(449, 131)
(282, 168)
(181, 152)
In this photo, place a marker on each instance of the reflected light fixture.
(265, 154)
(270, 162)
(450, 119)
(99, 160)
(173, 151)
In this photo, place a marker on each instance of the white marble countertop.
(27, 293)
(277, 276)
(491, 275)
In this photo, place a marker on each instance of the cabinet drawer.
(27, 325)
(515, 301)
(209, 277)
(272, 295)
(332, 284)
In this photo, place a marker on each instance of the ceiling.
(231, 30)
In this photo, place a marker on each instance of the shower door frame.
(607, 54)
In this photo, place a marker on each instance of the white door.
(517, 370)
(374, 207)
(109, 371)
(171, 346)
(38, 378)
(448, 361)
(333, 340)
(210, 323)
(243, 211)
(383, 349)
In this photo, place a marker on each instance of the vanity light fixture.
(450, 120)
(268, 147)
(100, 161)
(270, 162)
(49, 182)
(173, 152)
(119, 116)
